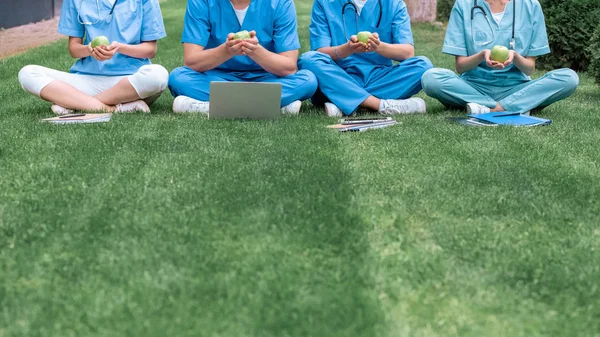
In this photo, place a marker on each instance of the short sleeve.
(285, 33)
(69, 20)
(320, 36)
(153, 27)
(454, 43)
(401, 33)
(539, 42)
(196, 25)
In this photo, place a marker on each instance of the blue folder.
(511, 118)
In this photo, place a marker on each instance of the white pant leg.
(35, 78)
(150, 80)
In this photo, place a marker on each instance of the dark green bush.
(570, 25)
(444, 7)
(594, 51)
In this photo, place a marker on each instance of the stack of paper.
(360, 125)
(79, 118)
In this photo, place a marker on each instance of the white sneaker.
(292, 109)
(476, 109)
(332, 110)
(188, 104)
(134, 106)
(402, 106)
(59, 110)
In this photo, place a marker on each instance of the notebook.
(79, 118)
(511, 119)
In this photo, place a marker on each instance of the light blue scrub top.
(132, 22)
(208, 22)
(327, 27)
(530, 37)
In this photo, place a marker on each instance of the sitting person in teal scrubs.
(212, 54)
(485, 85)
(354, 74)
(114, 78)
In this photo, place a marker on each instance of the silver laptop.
(249, 100)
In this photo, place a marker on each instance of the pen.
(508, 114)
(71, 115)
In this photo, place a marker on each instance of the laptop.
(250, 100)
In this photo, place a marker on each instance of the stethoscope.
(351, 4)
(476, 6)
(88, 23)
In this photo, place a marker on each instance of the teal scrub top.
(132, 22)
(530, 37)
(327, 27)
(208, 22)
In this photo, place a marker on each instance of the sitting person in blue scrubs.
(353, 74)
(485, 85)
(212, 54)
(114, 78)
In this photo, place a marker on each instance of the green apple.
(99, 41)
(364, 37)
(499, 54)
(244, 34)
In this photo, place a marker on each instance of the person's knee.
(568, 77)
(154, 79)
(311, 59)
(27, 75)
(310, 82)
(433, 79)
(175, 81)
(423, 62)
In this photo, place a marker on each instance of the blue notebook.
(511, 118)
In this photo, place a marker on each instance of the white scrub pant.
(149, 81)
(455, 91)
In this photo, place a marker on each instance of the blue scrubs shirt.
(132, 22)
(208, 22)
(327, 27)
(530, 37)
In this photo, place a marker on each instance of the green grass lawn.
(164, 225)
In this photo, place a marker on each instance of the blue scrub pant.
(348, 88)
(184, 81)
(454, 91)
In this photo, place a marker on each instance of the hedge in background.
(570, 25)
(595, 55)
(444, 8)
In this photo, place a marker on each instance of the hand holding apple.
(374, 42)
(234, 46)
(511, 58)
(250, 44)
(356, 47)
(490, 62)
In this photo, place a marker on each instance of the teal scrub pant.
(455, 92)
(184, 81)
(348, 88)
